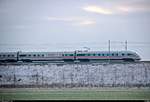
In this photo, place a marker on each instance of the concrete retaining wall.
(75, 75)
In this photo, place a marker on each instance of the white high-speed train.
(69, 56)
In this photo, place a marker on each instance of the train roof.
(106, 52)
(48, 52)
(69, 52)
(8, 52)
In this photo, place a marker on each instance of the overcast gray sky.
(75, 21)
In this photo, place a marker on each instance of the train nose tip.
(139, 58)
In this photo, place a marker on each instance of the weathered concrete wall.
(75, 75)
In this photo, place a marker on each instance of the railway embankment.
(75, 75)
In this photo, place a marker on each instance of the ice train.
(69, 56)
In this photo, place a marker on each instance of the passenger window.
(38, 55)
(8, 55)
(103, 54)
(34, 55)
(129, 54)
(22, 55)
(79, 54)
(3, 55)
(112, 54)
(12, 55)
(42, 55)
(71, 54)
(122, 54)
(99, 54)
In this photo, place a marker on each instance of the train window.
(71, 55)
(94, 54)
(78, 54)
(107, 54)
(99, 54)
(3, 55)
(112, 54)
(66, 54)
(42, 55)
(116, 54)
(8, 55)
(129, 54)
(22, 55)
(34, 55)
(0, 55)
(29, 55)
(122, 54)
(12, 55)
(38, 55)
(103, 54)
(83, 54)
(87, 54)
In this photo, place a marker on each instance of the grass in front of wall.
(73, 94)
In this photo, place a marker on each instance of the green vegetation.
(65, 94)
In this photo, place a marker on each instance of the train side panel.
(40, 56)
(69, 56)
(120, 55)
(8, 56)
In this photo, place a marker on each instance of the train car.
(106, 55)
(8, 56)
(40, 56)
(69, 56)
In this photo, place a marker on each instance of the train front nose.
(138, 57)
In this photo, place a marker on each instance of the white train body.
(69, 56)
(40, 56)
(8, 56)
